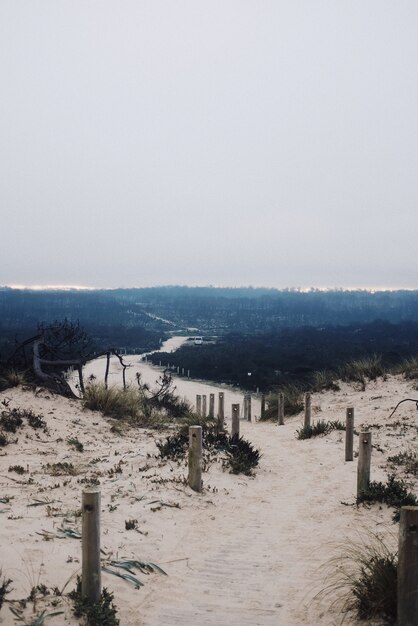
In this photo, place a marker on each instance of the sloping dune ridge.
(247, 551)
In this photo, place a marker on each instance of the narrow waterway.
(185, 388)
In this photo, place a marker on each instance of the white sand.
(245, 552)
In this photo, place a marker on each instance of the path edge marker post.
(91, 583)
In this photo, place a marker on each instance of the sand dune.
(245, 552)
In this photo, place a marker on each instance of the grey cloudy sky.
(225, 142)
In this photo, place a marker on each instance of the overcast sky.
(224, 142)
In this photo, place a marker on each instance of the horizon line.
(60, 287)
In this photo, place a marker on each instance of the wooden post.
(280, 408)
(349, 434)
(235, 420)
(408, 567)
(308, 411)
(107, 368)
(178, 369)
(204, 406)
(221, 413)
(91, 584)
(247, 407)
(188, 373)
(263, 406)
(364, 459)
(195, 458)
(182, 371)
(212, 405)
(199, 404)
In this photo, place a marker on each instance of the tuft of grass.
(394, 493)
(12, 378)
(321, 427)
(293, 402)
(363, 579)
(409, 368)
(113, 401)
(75, 443)
(101, 613)
(4, 587)
(361, 370)
(60, 469)
(3, 440)
(325, 380)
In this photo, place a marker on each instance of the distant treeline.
(293, 355)
(137, 319)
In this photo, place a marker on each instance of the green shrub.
(408, 460)
(241, 456)
(394, 493)
(101, 613)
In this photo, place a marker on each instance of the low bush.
(321, 427)
(240, 455)
(101, 613)
(394, 493)
(407, 460)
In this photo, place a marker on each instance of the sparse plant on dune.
(12, 378)
(293, 402)
(325, 380)
(321, 427)
(409, 368)
(361, 370)
(4, 587)
(394, 493)
(362, 579)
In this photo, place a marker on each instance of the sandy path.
(246, 551)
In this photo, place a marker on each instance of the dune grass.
(321, 427)
(362, 579)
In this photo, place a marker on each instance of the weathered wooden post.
(280, 408)
(364, 459)
(221, 412)
(235, 420)
(212, 405)
(204, 407)
(188, 373)
(91, 583)
(182, 371)
(247, 407)
(199, 404)
(349, 434)
(308, 411)
(178, 369)
(407, 613)
(195, 458)
(263, 406)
